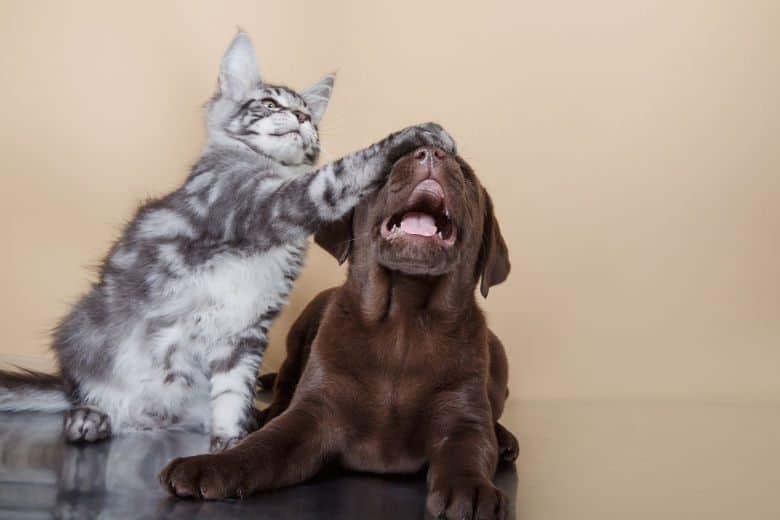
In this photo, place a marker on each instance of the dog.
(396, 370)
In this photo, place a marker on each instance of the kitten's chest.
(233, 291)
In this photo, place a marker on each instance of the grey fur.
(180, 313)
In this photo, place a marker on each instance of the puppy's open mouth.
(424, 215)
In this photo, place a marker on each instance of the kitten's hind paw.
(86, 424)
(223, 443)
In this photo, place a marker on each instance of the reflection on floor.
(715, 459)
(41, 477)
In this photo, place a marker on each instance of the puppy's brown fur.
(396, 369)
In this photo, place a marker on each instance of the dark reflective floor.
(41, 477)
(715, 459)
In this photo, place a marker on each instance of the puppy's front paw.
(465, 497)
(209, 477)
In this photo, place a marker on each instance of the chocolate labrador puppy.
(396, 369)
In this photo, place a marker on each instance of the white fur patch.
(231, 291)
(124, 258)
(229, 396)
(165, 223)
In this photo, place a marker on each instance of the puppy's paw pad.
(86, 424)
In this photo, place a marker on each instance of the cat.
(173, 332)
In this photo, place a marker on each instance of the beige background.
(631, 148)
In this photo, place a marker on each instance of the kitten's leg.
(328, 193)
(270, 211)
(86, 424)
(233, 374)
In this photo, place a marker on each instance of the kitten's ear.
(336, 237)
(238, 72)
(318, 95)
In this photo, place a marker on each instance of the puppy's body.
(409, 366)
(396, 369)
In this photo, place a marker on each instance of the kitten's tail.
(27, 390)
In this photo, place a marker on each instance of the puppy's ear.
(336, 237)
(493, 265)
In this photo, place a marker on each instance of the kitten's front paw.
(86, 424)
(209, 477)
(413, 137)
(435, 135)
(219, 443)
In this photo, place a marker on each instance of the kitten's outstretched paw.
(86, 424)
(413, 137)
(435, 135)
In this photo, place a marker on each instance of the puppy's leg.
(284, 389)
(498, 390)
(289, 450)
(233, 373)
(460, 474)
(508, 448)
(299, 341)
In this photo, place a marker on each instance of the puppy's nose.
(429, 153)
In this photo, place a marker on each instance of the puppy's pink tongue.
(418, 224)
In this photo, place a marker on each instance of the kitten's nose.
(429, 154)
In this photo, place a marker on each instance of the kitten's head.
(271, 120)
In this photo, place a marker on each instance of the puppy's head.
(431, 218)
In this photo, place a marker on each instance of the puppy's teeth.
(440, 235)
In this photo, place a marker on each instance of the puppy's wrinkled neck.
(381, 294)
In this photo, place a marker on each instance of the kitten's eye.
(302, 118)
(269, 103)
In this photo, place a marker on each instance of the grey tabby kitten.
(174, 331)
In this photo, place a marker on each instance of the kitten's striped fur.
(174, 331)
